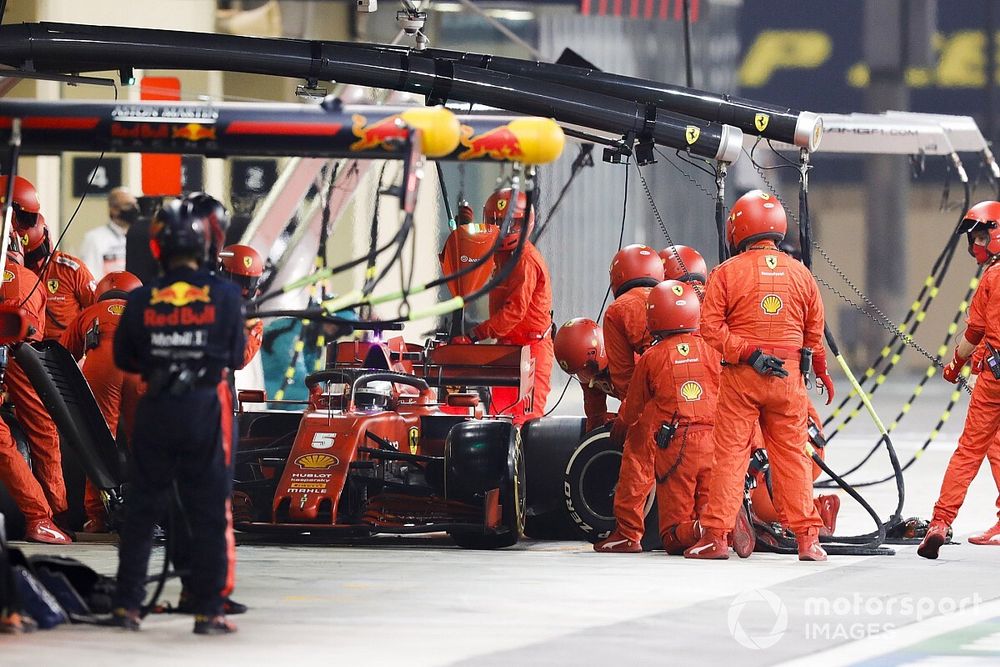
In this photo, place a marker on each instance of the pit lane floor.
(421, 601)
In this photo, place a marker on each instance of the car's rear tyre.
(589, 484)
(512, 503)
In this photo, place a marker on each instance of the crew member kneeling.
(761, 309)
(183, 334)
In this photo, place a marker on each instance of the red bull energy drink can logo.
(180, 294)
(498, 144)
(193, 132)
(386, 133)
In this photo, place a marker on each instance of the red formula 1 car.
(376, 452)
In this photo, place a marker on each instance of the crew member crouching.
(92, 333)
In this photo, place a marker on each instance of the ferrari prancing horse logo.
(678, 290)
(771, 261)
(53, 285)
(692, 133)
(414, 439)
(247, 261)
(760, 121)
(684, 349)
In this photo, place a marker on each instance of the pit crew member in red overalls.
(28, 490)
(579, 350)
(244, 266)
(761, 309)
(635, 270)
(982, 224)
(520, 306)
(674, 392)
(92, 334)
(69, 285)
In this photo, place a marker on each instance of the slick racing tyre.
(512, 488)
(589, 488)
(548, 444)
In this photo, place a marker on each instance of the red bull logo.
(180, 294)
(385, 133)
(193, 132)
(498, 144)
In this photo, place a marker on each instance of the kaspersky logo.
(691, 391)
(180, 294)
(500, 143)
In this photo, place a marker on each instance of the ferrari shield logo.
(684, 349)
(692, 133)
(53, 285)
(760, 121)
(678, 290)
(414, 439)
(501, 204)
(247, 261)
(771, 261)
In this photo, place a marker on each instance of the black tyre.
(548, 444)
(589, 484)
(512, 503)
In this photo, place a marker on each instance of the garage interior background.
(881, 225)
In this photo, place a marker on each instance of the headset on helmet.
(116, 285)
(25, 201)
(495, 211)
(215, 216)
(984, 216)
(15, 252)
(635, 265)
(178, 229)
(672, 307)
(754, 217)
(242, 265)
(35, 239)
(579, 348)
(690, 267)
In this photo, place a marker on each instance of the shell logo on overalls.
(691, 391)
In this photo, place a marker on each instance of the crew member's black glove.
(767, 364)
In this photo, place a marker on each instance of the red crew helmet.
(635, 265)
(672, 307)
(579, 348)
(755, 216)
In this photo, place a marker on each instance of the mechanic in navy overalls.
(184, 335)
